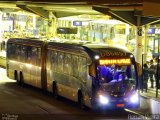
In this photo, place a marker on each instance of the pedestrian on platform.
(157, 69)
(145, 76)
(152, 73)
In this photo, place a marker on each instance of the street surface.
(29, 103)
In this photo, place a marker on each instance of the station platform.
(149, 102)
(151, 92)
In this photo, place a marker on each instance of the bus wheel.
(21, 79)
(81, 102)
(16, 77)
(55, 91)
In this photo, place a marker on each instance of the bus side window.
(23, 53)
(54, 60)
(17, 52)
(39, 56)
(75, 65)
(60, 62)
(48, 60)
(82, 68)
(67, 68)
(34, 55)
(11, 50)
(29, 54)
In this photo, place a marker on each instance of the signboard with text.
(157, 31)
(151, 31)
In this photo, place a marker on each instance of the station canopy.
(124, 10)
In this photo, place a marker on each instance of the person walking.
(145, 76)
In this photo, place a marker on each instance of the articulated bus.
(93, 75)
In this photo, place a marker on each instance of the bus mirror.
(92, 70)
(89, 62)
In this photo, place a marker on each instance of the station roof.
(124, 10)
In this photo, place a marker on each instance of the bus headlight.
(134, 98)
(103, 99)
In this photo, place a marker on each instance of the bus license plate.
(120, 105)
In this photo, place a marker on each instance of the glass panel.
(67, 64)
(18, 52)
(39, 56)
(29, 54)
(23, 53)
(60, 61)
(82, 68)
(116, 73)
(34, 55)
(75, 65)
(53, 59)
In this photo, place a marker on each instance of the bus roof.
(104, 50)
(30, 41)
(92, 49)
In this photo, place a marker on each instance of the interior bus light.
(96, 57)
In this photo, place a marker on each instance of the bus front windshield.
(116, 73)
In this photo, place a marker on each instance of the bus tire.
(81, 102)
(55, 91)
(21, 79)
(16, 77)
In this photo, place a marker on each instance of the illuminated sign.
(151, 31)
(77, 23)
(115, 61)
(157, 31)
(112, 53)
(65, 30)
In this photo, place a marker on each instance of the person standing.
(157, 71)
(152, 73)
(145, 76)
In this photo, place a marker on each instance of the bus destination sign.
(115, 61)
